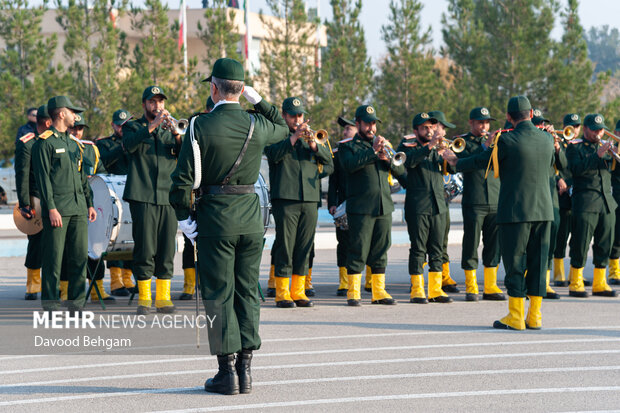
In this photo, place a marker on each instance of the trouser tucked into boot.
(417, 290)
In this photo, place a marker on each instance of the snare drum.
(111, 231)
(260, 187)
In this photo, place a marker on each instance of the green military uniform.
(295, 192)
(63, 185)
(521, 158)
(230, 228)
(369, 211)
(113, 156)
(425, 213)
(593, 211)
(614, 257)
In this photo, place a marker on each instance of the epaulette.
(86, 142)
(345, 141)
(410, 144)
(46, 134)
(573, 141)
(27, 137)
(411, 136)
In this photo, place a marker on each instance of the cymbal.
(29, 226)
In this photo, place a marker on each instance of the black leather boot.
(226, 380)
(244, 359)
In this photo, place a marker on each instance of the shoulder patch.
(46, 134)
(410, 144)
(345, 140)
(574, 141)
(409, 137)
(87, 142)
(27, 137)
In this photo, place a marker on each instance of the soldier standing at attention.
(66, 204)
(295, 192)
(614, 258)
(369, 206)
(228, 227)
(594, 208)
(152, 152)
(27, 189)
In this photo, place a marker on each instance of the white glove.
(251, 95)
(189, 228)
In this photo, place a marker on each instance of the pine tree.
(408, 82)
(346, 74)
(218, 33)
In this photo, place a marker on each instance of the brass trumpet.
(456, 145)
(568, 133)
(173, 125)
(319, 136)
(614, 138)
(395, 158)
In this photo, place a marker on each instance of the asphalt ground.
(435, 357)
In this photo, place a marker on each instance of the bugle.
(457, 145)
(568, 133)
(395, 158)
(175, 125)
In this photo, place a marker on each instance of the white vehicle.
(8, 188)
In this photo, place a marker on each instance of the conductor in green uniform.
(152, 152)
(295, 192)
(228, 228)
(369, 205)
(66, 204)
(521, 158)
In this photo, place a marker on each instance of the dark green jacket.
(113, 155)
(61, 179)
(92, 159)
(368, 189)
(152, 158)
(24, 173)
(476, 189)
(525, 156)
(591, 178)
(560, 164)
(615, 183)
(337, 191)
(220, 135)
(425, 185)
(296, 175)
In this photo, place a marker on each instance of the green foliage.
(604, 48)
(218, 35)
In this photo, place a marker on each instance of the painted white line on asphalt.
(321, 379)
(501, 392)
(317, 352)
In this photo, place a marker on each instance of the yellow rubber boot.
(558, 272)
(515, 318)
(471, 286)
(163, 303)
(576, 287)
(534, 315)
(127, 276)
(599, 284)
(271, 283)
(368, 280)
(446, 280)
(343, 282)
(144, 296)
(379, 295)
(308, 286)
(283, 295)
(491, 290)
(417, 290)
(104, 296)
(354, 295)
(298, 291)
(435, 293)
(189, 281)
(116, 278)
(551, 294)
(33, 281)
(614, 271)
(64, 290)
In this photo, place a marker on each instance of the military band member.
(425, 207)
(479, 207)
(336, 195)
(66, 204)
(369, 206)
(593, 207)
(228, 225)
(564, 185)
(521, 158)
(26, 189)
(152, 157)
(115, 160)
(614, 261)
(295, 192)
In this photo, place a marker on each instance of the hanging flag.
(233, 3)
(248, 36)
(182, 25)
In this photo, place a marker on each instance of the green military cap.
(42, 113)
(518, 104)
(62, 102)
(120, 117)
(79, 121)
(571, 119)
(226, 68)
(345, 122)
(151, 91)
(538, 117)
(422, 117)
(595, 121)
(480, 113)
(209, 104)
(441, 118)
(366, 113)
(618, 125)
(293, 106)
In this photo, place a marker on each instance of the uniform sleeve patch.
(27, 137)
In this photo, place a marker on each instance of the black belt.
(228, 189)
